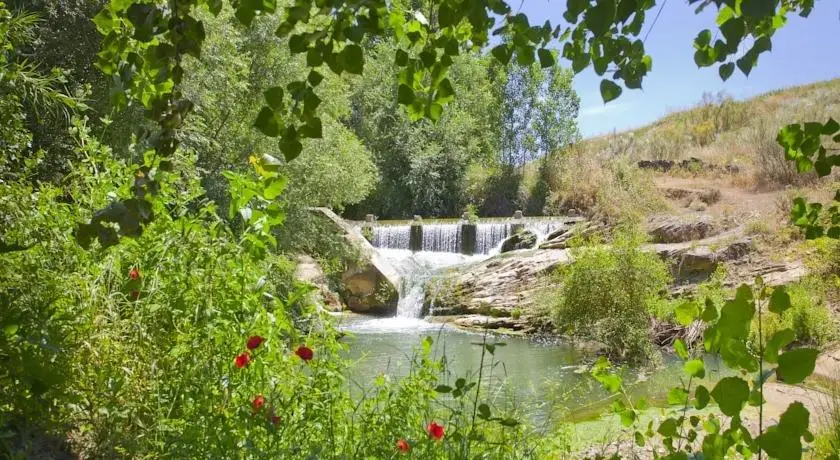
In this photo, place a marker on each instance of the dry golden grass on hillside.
(598, 175)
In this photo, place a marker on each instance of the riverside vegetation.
(149, 304)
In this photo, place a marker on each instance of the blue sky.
(801, 54)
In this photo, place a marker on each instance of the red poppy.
(258, 403)
(435, 431)
(242, 359)
(305, 353)
(402, 446)
(254, 341)
(134, 274)
(135, 294)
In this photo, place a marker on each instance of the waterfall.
(447, 237)
(416, 269)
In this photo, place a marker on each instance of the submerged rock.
(523, 240)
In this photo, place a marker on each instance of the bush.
(608, 294)
(808, 317)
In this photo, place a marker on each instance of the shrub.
(808, 317)
(607, 296)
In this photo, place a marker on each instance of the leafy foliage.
(607, 296)
(726, 334)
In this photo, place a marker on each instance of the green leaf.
(726, 70)
(405, 95)
(502, 53)
(731, 393)
(702, 396)
(314, 78)
(609, 90)
(779, 300)
(291, 148)
(11, 329)
(275, 188)
(668, 428)
(104, 21)
(796, 365)
(484, 411)
(677, 396)
(312, 129)
(777, 342)
(710, 312)
(546, 57)
(445, 93)
(758, 9)
(443, 389)
(830, 127)
(351, 59)
(640, 439)
(686, 313)
(274, 97)
(627, 417)
(599, 18)
(695, 368)
(267, 123)
(783, 440)
(680, 349)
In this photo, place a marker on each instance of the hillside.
(733, 142)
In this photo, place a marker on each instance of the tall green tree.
(423, 164)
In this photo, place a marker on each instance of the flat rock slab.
(496, 286)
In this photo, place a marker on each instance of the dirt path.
(733, 202)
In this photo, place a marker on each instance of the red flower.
(258, 403)
(402, 446)
(435, 431)
(135, 294)
(242, 359)
(305, 353)
(254, 341)
(134, 274)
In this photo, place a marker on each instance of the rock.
(657, 165)
(559, 238)
(525, 239)
(701, 258)
(494, 287)
(687, 197)
(672, 229)
(309, 271)
(369, 284)
(490, 322)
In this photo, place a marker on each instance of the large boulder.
(368, 285)
(525, 239)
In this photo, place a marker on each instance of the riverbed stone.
(525, 239)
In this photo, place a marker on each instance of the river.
(544, 374)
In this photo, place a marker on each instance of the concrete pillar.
(369, 218)
(415, 236)
(468, 238)
(517, 214)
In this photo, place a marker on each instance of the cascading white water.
(447, 237)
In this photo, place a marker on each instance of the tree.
(539, 113)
